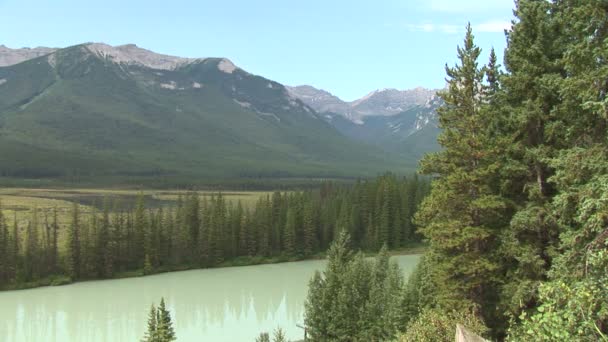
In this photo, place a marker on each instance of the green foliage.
(568, 312)
(165, 326)
(419, 292)
(264, 337)
(279, 336)
(148, 269)
(151, 334)
(74, 260)
(434, 325)
(354, 299)
(160, 326)
(516, 219)
(465, 212)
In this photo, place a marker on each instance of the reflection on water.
(224, 304)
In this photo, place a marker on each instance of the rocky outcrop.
(10, 56)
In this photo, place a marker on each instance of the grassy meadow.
(21, 202)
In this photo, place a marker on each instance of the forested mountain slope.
(95, 111)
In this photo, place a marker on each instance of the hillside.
(97, 111)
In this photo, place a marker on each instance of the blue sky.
(346, 47)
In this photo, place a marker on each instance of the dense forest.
(517, 217)
(201, 232)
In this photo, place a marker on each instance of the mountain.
(14, 56)
(399, 121)
(95, 111)
(383, 102)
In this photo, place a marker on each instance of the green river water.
(223, 304)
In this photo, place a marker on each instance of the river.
(230, 304)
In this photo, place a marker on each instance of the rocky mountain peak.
(10, 56)
(133, 54)
(381, 102)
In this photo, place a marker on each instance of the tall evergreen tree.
(165, 325)
(139, 232)
(4, 248)
(463, 216)
(531, 92)
(309, 229)
(15, 250)
(32, 251)
(152, 334)
(74, 256)
(54, 254)
(289, 237)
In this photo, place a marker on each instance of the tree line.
(207, 232)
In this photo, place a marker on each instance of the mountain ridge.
(98, 111)
(386, 101)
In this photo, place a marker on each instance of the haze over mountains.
(95, 109)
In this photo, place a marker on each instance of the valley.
(418, 171)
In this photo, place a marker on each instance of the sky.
(346, 47)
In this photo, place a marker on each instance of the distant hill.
(95, 111)
(399, 121)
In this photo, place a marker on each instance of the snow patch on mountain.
(171, 85)
(243, 103)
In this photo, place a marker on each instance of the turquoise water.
(222, 304)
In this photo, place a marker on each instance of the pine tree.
(74, 258)
(151, 334)
(192, 222)
(279, 336)
(103, 252)
(165, 326)
(264, 337)
(567, 305)
(139, 231)
(289, 243)
(4, 248)
(31, 260)
(15, 250)
(531, 92)
(309, 229)
(463, 216)
(54, 255)
(148, 268)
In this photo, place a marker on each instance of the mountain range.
(125, 113)
(403, 122)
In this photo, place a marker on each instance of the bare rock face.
(390, 101)
(10, 56)
(464, 335)
(320, 100)
(122, 54)
(383, 102)
(132, 54)
(226, 66)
